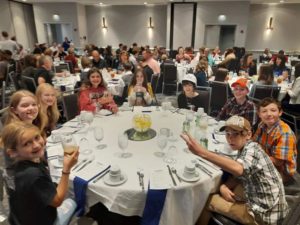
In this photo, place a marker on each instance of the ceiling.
(149, 2)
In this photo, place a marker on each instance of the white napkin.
(160, 179)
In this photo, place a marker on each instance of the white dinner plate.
(55, 162)
(109, 182)
(192, 179)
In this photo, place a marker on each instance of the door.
(227, 37)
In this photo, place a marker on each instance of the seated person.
(189, 96)
(182, 56)
(264, 201)
(44, 74)
(140, 91)
(36, 198)
(248, 65)
(239, 104)
(279, 65)
(94, 96)
(277, 139)
(201, 73)
(127, 76)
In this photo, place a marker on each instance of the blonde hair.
(12, 134)
(13, 104)
(48, 115)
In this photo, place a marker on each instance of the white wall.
(286, 32)
(127, 24)
(82, 24)
(43, 13)
(6, 18)
(207, 14)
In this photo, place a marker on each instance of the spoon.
(175, 172)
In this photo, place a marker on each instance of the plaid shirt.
(246, 110)
(262, 184)
(280, 143)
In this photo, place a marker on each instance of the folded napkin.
(80, 186)
(154, 206)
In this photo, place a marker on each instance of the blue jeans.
(65, 212)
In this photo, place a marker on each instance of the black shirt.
(183, 101)
(42, 72)
(34, 192)
(100, 64)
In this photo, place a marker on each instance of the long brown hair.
(266, 74)
(145, 82)
(95, 70)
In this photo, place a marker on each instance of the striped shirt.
(246, 110)
(280, 143)
(262, 184)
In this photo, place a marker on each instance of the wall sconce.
(104, 22)
(270, 26)
(150, 23)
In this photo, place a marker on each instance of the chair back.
(219, 95)
(71, 67)
(293, 218)
(263, 91)
(154, 83)
(10, 68)
(205, 96)
(61, 68)
(14, 80)
(170, 73)
(29, 83)
(3, 95)
(70, 105)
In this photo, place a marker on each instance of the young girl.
(48, 111)
(140, 91)
(95, 94)
(22, 107)
(35, 198)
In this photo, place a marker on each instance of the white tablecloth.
(184, 202)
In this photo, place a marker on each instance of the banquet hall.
(136, 89)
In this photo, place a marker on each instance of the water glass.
(99, 135)
(123, 144)
(170, 156)
(162, 142)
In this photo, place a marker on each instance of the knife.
(79, 164)
(171, 175)
(202, 168)
(84, 165)
(212, 166)
(104, 172)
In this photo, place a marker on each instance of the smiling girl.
(48, 111)
(35, 199)
(95, 95)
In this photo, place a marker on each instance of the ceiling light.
(145, 3)
(100, 3)
(281, 1)
(24, 0)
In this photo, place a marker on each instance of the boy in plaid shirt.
(277, 139)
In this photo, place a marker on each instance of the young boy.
(277, 139)
(262, 184)
(240, 104)
(36, 198)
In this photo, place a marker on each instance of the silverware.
(79, 164)
(84, 165)
(139, 174)
(175, 172)
(212, 166)
(141, 179)
(171, 175)
(202, 168)
(102, 175)
(215, 140)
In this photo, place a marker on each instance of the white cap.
(191, 78)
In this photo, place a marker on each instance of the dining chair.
(70, 105)
(11, 67)
(262, 91)
(219, 96)
(61, 67)
(205, 96)
(29, 83)
(71, 67)
(169, 76)
(14, 80)
(154, 83)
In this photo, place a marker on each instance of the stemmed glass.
(172, 150)
(123, 144)
(88, 118)
(162, 142)
(99, 134)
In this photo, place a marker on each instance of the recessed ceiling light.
(145, 3)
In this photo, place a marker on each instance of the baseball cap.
(191, 78)
(242, 82)
(237, 123)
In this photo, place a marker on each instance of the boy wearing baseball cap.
(277, 139)
(189, 96)
(265, 200)
(239, 104)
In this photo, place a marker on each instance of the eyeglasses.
(232, 134)
(239, 89)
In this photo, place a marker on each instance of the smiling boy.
(262, 184)
(277, 139)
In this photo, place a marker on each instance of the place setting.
(115, 176)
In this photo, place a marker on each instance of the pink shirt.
(154, 65)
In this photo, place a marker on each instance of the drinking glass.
(123, 144)
(99, 135)
(69, 145)
(162, 142)
(171, 152)
(84, 143)
(164, 107)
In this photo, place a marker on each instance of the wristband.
(65, 173)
